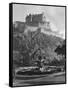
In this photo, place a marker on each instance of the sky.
(56, 15)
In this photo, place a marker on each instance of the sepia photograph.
(38, 44)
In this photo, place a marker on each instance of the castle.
(37, 20)
(34, 18)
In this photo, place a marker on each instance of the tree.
(61, 49)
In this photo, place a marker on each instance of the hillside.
(28, 45)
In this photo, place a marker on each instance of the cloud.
(53, 27)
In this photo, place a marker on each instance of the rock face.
(30, 42)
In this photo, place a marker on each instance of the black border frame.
(10, 45)
(11, 42)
